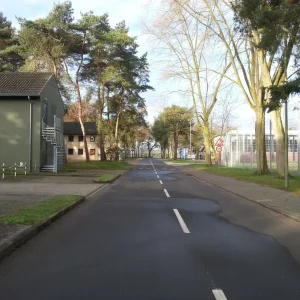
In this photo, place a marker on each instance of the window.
(92, 151)
(80, 151)
(92, 138)
(70, 151)
(80, 138)
(71, 138)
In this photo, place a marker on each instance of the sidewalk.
(20, 192)
(286, 203)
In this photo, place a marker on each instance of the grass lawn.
(105, 178)
(93, 165)
(35, 214)
(249, 175)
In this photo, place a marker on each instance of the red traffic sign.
(219, 149)
(219, 143)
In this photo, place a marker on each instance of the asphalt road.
(155, 233)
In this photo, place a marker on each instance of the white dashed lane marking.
(219, 295)
(181, 222)
(167, 194)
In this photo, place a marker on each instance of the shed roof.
(23, 84)
(74, 128)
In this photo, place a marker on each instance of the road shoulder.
(285, 203)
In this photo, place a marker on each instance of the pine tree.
(10, 60)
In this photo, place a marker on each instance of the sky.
(133, 12)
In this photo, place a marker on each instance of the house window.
(92, 151)
(80, 151)
(70, 151)
(71, 138)
(92, 138)
(80, 138)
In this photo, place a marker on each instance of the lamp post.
(286, 147)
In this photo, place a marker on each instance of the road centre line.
(167, 194)
(157, 176)
(182, 223)
(152, 164)
(160, 182)
(219, 295)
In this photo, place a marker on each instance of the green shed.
(31, 121)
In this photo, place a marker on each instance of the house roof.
(23, 84)
(74, 128)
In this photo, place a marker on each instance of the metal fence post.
(251, 150)
(237, 148)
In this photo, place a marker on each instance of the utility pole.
(191, 139)
(286, 145)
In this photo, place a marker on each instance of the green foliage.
(172, 124)
(281, 93)
(10, 59)
(91, 61)
(161, 132)
(112, 152)
(274, 19)
(177, 119)
(277, 25)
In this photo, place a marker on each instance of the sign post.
(219, 144)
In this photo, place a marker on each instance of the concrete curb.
(258, 203)
(113, 180)
(108, 181)
(30, 232)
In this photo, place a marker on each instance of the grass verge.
(12, 172)
(35, 214)
(93, 165)
(105, 178)
(248, 175)
(182, 161)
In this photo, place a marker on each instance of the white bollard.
(3, 169)
(15, 169)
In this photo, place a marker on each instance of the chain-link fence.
(239, 150)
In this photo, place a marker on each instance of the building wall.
(14, 131)
(51, 98)
(75, 145)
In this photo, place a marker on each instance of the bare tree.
(184, 46)
(254, 69)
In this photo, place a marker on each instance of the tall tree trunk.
(207, 143)
(117, 129)
(117, 137)
(80, 113)
(260, 138)
(101, 136)
(175, 144)
(280, 142)
(87, 156)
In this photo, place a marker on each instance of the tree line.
(100, 74)
(247, 46)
